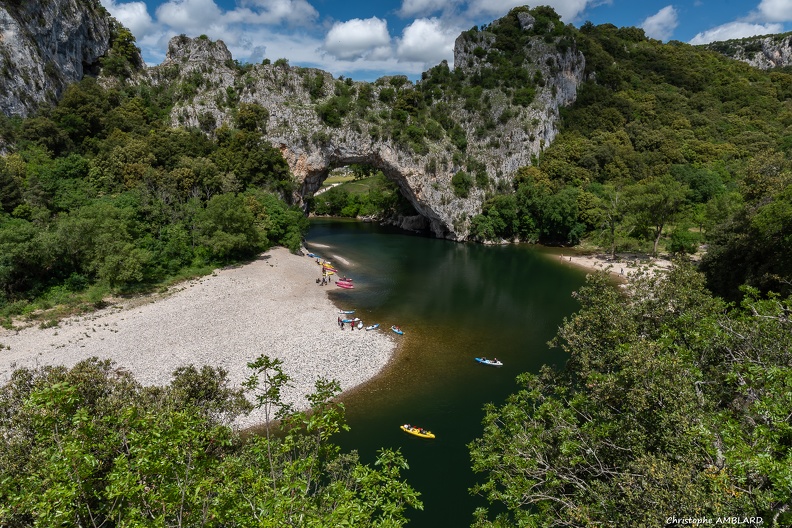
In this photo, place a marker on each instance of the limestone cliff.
(491, 138)
(449, 141)
(765, 52)
(45, 45)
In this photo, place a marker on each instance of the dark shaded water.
(454, 302)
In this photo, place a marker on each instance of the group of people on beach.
(342, 323)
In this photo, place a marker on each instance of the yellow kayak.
(417, 431)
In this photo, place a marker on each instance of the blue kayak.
(372, 327)
(397, 330)
(346, 311)
(491, 362)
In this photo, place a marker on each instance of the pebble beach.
(271, 306)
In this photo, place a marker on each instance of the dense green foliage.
(89, 446)
(100, 190)
(667, 146)
(368, 196)
(672, 403)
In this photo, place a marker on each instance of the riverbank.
(624, 266)
(271, 306)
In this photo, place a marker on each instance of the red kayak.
(344, 284)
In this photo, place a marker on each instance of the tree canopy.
(100, 193)
(672, 403)
(89, 446)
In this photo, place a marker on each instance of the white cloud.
(662, 24)
(358, 38)
(776, 10)
(411, 8)
(427, 41)
(297, 12)
(192, 17)
(133, 15)
(735, 30)
(567, 9)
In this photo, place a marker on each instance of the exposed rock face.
(45, 45)
(312, 148)
(772, 51)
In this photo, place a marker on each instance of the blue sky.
(365, 39)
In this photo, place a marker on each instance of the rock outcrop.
(45, 45)
(766, 52)
(212, 85)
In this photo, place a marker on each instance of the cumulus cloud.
(735, 30)
(776, 10)
(296, 12)
(567, 9)
(427, 41)
(190, 16)
(358, 38)
(411, 8)
(133, 15)
(662, 24)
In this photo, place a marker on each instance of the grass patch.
(363, 185)
(337, 178)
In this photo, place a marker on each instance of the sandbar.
(270, 306)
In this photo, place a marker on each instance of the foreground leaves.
(90, 447)
(672, 404)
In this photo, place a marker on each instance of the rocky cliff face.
(211, 86)
(772, 51)
(45, 45)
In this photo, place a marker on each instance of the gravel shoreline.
(271, 306)
(623, 267)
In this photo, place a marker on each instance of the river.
(454, 302)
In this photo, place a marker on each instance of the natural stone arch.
(425, 175)
(311, 169)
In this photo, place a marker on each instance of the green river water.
(454, 302)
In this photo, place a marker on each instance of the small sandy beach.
(622, 267)
(272, 306)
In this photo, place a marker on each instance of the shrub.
(461, 183)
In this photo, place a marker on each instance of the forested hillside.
(101, 194)
(668, 146)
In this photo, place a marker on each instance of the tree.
(89, 446)
(655, 203)
(658, 411)
(227, 229)
(752, 247)
(10, 189)
(609, 210)
(252, 117)
(461, 183)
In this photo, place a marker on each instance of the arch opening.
(405, 210)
